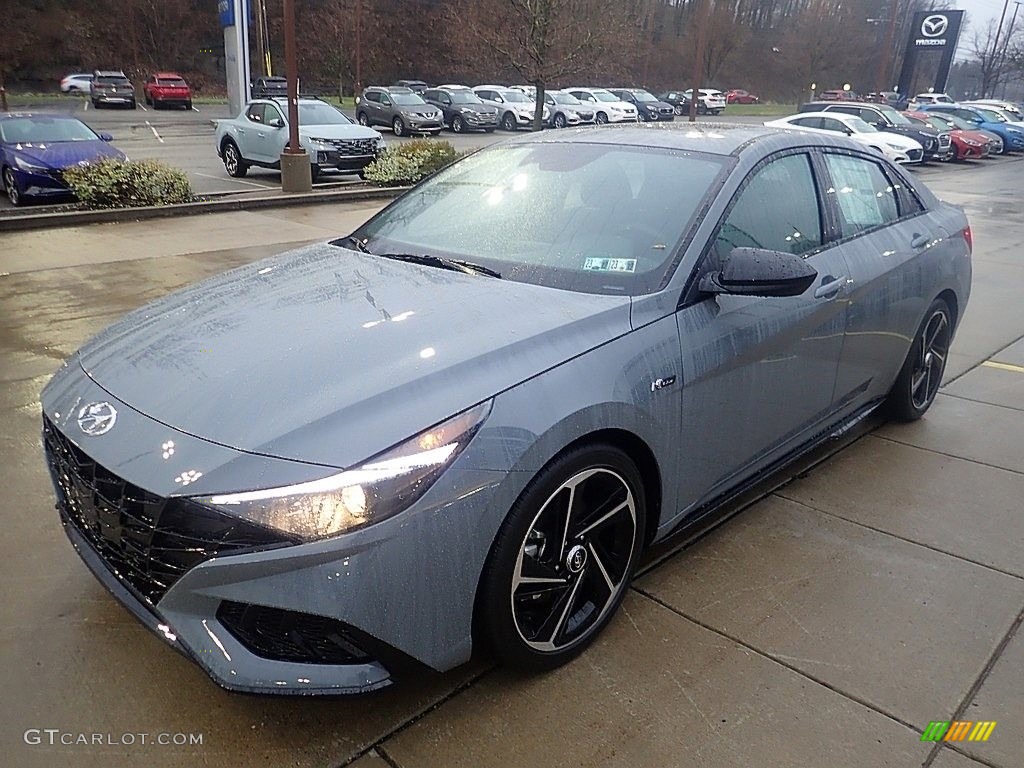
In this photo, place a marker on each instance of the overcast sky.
(979, 14)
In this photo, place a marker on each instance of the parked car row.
(111, 87)
(932, 130)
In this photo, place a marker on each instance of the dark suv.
(266, 87)
(111, 87)
(885, 118)
(647, 106)
(399, 108)
(462, 108)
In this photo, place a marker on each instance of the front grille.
(281, 635)
(147, 541)
(354, 147)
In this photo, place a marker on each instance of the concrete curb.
(20, 223)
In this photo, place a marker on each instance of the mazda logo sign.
(934, 26)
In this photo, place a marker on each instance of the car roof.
(168, 75)
(710, 137)
(109, 73)
(454, 87)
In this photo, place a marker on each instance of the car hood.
(63, 154)
(329, 356)
(905, 142)
(338, 131)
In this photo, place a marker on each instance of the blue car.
(985, 119)
(36, 149)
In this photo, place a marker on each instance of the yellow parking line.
(1004, 366)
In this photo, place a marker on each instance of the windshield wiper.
(456, 265)
(355, 243)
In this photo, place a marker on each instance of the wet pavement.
(826, 625)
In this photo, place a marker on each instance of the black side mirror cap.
(761, 272)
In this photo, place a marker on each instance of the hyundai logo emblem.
(934, 26)
(576, 559)
(96, 419)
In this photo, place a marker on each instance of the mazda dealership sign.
(932, 33)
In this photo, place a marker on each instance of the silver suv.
(400, 108)
(515, 108)
(111, 87)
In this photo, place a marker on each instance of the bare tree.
(545, 41)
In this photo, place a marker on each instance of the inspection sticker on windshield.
(610, 265)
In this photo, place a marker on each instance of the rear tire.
(563, 559)
(362, 119)
(919, 378)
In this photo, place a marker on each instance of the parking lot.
(826, 625)
(185, 140)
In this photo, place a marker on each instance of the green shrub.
(120, 184)
(410, 161)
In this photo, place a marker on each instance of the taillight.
(969, 238)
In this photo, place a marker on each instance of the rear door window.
(865, 196)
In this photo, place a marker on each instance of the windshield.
(318, 113)
(605, 95)
(407, 99)
(41, 130)
(515, 97)
(859, 126)
(464, 97)
(894, 117)
(593, 218)
(565, 98)
(643, 96)
(991, 116)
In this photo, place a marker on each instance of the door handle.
(920, 241)
(830, 289)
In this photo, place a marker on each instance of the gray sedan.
(319, 470)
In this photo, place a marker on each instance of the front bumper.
(401, 591)
(332, 160)
(41, 184)
(475, 120)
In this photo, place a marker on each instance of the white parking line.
(194, 109)
(143, 107)
(158, 136)
(232, 181)
(86, 107)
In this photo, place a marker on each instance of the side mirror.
(761, 272)
(105, 137)
(276, 122)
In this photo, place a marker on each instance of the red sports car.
(165, 88)
(738, 96)
(967, 144)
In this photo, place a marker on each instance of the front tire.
(398, 127)
(458, 124)
(11, 186)
(559, 121)
(601, 118)
(563, 559)
(919, 378)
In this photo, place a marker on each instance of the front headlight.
(897, 147)
(27, 165)
(379, 488)
(322, 143)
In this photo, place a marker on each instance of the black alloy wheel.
(563, 559)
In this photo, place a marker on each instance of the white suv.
(714, 101)
(608, 108)
(931, 98)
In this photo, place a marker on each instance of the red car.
(967, 144)
(738, 96)
(167, 88)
